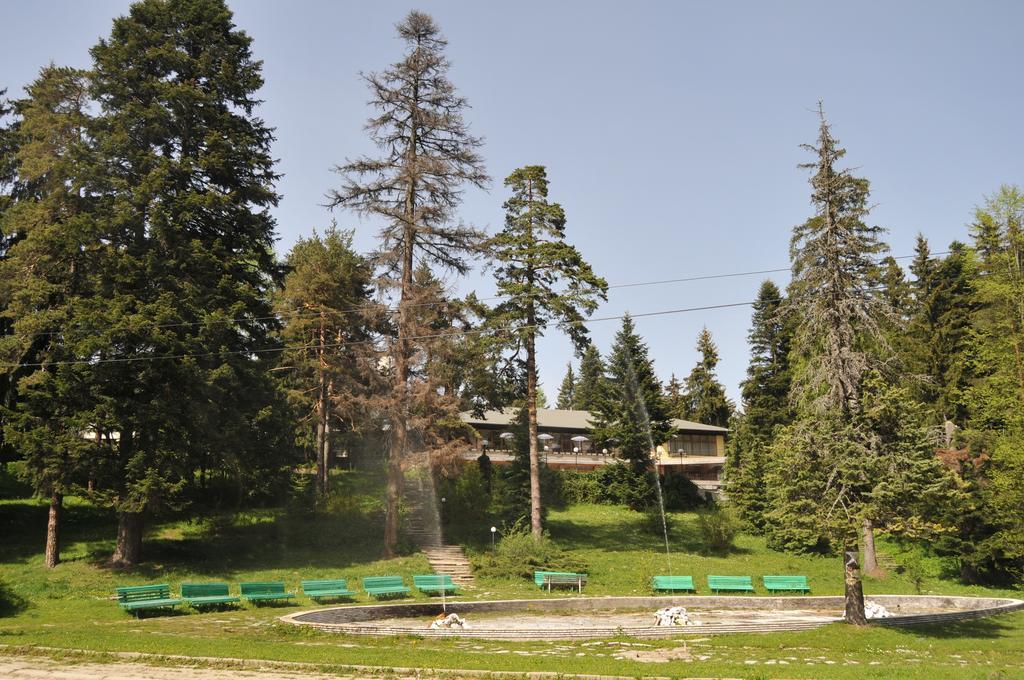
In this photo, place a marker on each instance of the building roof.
(565, 419)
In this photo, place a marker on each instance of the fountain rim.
(361, 618)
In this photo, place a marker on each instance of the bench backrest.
(540, 576)
(204, 589)
(670, 582)
(262, 588)
(326, 584)
(433, 581)
(158, 591)
(383, 582)
(729, 581)
(782, 582)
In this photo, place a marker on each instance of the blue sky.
(670, 130)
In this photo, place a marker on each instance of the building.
(696, 451)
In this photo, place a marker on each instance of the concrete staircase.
(424, 528)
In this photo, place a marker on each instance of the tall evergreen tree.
(567, 390)
(591, 380)
(766, 405)
(180, 324)
(705, 400)
(324, 303)
(427, 157)
(42, 276)
(675, 397)
(820, 459)
(547, 281)
(631, 413)
(939, 330)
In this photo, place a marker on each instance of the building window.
(694, 445)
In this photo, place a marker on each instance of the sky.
(671, 131)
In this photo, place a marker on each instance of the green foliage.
(591, 381)
(704, 399)
(656, 523)
(765, 406)
(718, 528)
(518, 554)
(631, 414)
(567, 390)
(581, 487)
(679, 493)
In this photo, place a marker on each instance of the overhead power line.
(364, 308)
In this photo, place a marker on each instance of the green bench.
(385, 585)
(326, 589)
(777, 583)
(435, 584)
(734, 583)
(559, 578)
(673, 583)
(263, 591)
(203, 594)
(137, 598)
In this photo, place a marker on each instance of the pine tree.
(567, 390)
(591, 380)
(181, 322)
(821, 458)
(705, 401)
(324, 303)
(42, 276)
(547, 282)
(427, 157)
(631, 414)
(766, 406)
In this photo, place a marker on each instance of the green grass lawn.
(69, 608)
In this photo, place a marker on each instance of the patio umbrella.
(580, 438)
(506, 435)
(545, 437)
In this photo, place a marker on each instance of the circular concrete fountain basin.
(602, 617)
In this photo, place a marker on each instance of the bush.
(621, 485)
(581, 487)
(518, 554)
(680, 493)
(718, 528)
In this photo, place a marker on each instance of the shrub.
(680, 493)
(518, 554)
(581, 487)
(622, 485)
(718, 528)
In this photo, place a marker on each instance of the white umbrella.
(580, 438)
(545, 437)
(506, 435)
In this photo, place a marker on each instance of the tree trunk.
(854, 588)
(870, 565)
(129, 539)
(53, 530)
(321, 444)
(531, 412)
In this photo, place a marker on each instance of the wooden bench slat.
(385, 585)
(264, 590)
(326, 588)
(733, 583)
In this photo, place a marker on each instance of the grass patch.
(70, 607)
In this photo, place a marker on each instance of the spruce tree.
(766, 405)
(631, 414)
(324, 304)
(567, 390)
(43, 276)
(181, 323)
(705, 401)
(427, 158)
(820, 460)
(591, 380)
(675, 397)
(939, 331)
(547, 282)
